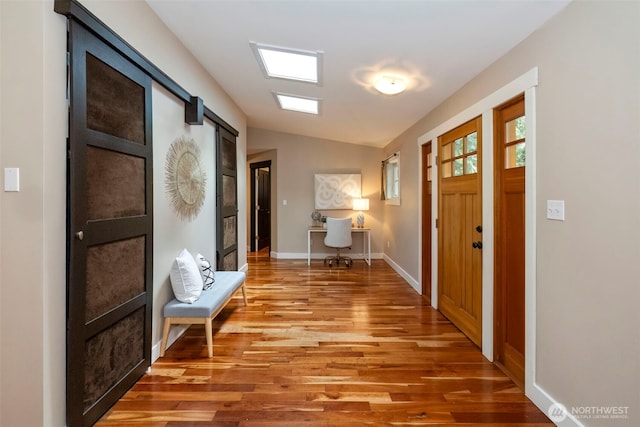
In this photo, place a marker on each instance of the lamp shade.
(360, 204)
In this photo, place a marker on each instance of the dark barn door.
(226, 201)
(109, 287)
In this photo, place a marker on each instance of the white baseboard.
(406, 276)
(544, 402)
(303, 255)
(176, 332)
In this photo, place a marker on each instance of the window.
(460, 156)
(391, 180)
(515, 143)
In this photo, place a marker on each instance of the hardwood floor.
(322, 347)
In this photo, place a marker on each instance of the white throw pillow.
(207, 272)
(186, 279)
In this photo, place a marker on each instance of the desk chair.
(338, 237)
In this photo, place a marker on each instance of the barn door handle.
(80, 235)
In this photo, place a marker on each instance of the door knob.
(477, 245)
(479, 229)
(80, 235)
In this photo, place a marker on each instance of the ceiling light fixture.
(286, 63)
(298, 103)
(390, 85)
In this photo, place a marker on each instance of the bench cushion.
(227, 282)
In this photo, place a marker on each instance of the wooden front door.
(110, 218)
(226, 201)
(427, 216)
(460, 228)
(510, 238)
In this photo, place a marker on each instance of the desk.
(366, 241)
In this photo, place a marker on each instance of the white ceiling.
(439, 44)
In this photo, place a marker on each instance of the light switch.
(284, 202)
(555, 210)
(11, 179)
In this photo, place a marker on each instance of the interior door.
(460, 228)
(226, 201)
(509, 268)
(109, 212)
(264, 208)
(427, 179)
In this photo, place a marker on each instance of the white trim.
(544, 401)
(175, 333)
(525, 83)
(487, 233)
(519, 85)
(530, 278)
(320, 255)
(406, 276)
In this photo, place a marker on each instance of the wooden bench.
(202, 312)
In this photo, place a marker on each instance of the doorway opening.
(260, 206)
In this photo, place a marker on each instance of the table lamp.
(360, 205)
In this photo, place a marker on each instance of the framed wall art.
(336, 191)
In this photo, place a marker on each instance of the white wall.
(32, 221)
(588, 122)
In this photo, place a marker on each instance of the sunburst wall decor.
(185, 180)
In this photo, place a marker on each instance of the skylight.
(298, 103)
(286, 63)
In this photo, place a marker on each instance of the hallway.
(321, 347)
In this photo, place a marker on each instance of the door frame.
(254, 167)
(526, 83)
(427, 218)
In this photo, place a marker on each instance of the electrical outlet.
(555, 210)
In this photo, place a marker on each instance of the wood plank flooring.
(325, 347)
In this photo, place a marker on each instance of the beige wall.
(588, 122)
(171, 233)
(298, 159)
(32, 221)
(32, 227)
